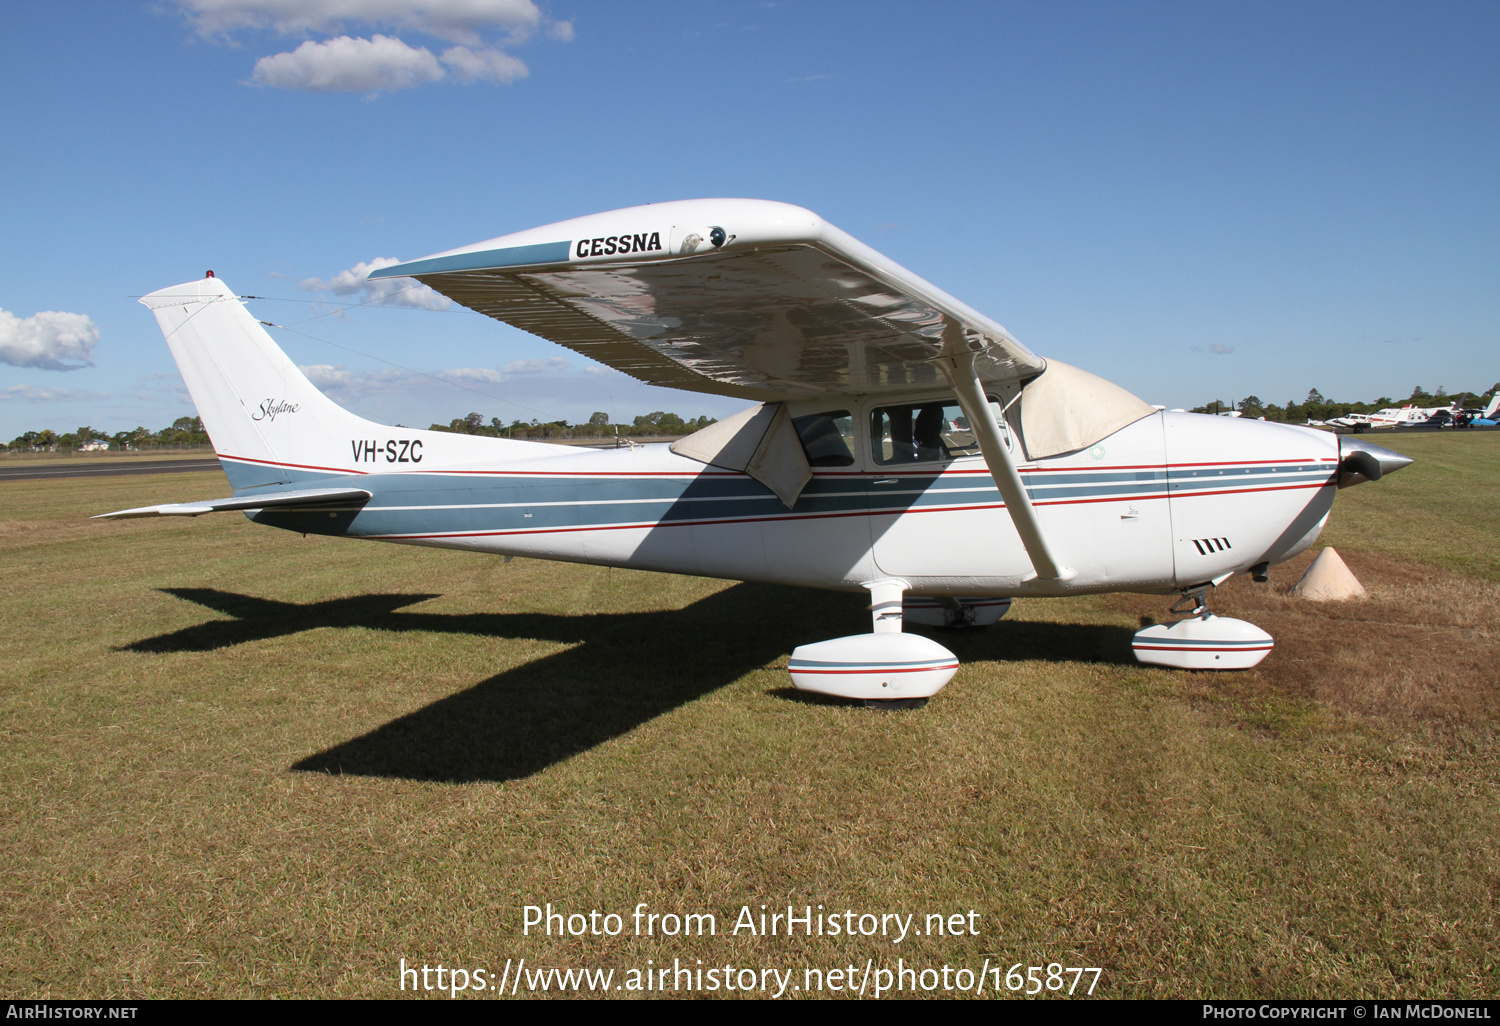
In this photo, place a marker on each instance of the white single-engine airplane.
(904, 443)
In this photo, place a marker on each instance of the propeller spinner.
(1361, 461)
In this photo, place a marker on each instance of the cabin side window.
(827, 438)
(927, 432)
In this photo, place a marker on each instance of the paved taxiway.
(102, 469)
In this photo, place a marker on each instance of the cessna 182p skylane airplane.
(904, 443)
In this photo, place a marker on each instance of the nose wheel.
(1202, 641)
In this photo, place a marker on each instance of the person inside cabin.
(927, 436)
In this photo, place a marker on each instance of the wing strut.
(957, 364)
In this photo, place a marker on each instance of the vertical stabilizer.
(259, 409)
(268, 423)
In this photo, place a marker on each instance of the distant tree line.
(189, 431)
(1317, 407)
(654, 424)
(184, 431)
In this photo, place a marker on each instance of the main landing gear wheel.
(884, 669)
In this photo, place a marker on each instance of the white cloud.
(488, 375)
(344, 385)
(32, 394)
(458, 21)
(552, 363)
(339, 378)
(1220, 349)
(50, 340)
(346, 64)
(151, 387)
(484, 65)
(383, 63)
(385, 291)
(326, 375)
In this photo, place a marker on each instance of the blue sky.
(1195, 200)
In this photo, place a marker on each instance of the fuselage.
(1167, 502)
(1393, 417)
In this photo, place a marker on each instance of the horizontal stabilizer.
(302, 497)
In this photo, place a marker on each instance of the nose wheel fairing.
(1204, 642)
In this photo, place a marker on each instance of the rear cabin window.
(926, 432)
(827, 438)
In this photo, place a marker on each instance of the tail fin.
(268, 423)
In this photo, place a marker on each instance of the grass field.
(237, 762)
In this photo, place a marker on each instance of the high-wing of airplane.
(903, 443)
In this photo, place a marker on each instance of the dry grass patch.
(1424, 647)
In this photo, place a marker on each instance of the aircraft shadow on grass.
(623, 670)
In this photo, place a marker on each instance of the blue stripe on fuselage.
(451, 503)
